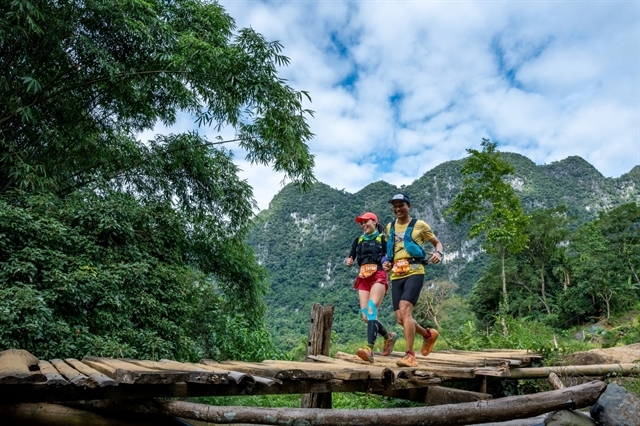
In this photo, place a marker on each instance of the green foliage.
(524, 334)
(489, 202)
(564, 278)
(105, 71)
(110, 245)
(599, 267)
(105, 275)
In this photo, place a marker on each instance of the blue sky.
(399, 87)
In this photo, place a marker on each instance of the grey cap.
(400, 197)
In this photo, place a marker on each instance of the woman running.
(369, 251)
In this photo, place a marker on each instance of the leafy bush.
(106, 275)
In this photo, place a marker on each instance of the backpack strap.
(391, 241)
(410, 245)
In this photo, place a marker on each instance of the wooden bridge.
(24, 378)
(27, 384)
(106, 386)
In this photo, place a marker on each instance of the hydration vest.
(370, 251)
(416, 252)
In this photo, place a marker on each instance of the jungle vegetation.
(116, 246)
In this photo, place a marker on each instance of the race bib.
(367, 270)
(401, 266)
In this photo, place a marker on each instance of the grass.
(340, 401)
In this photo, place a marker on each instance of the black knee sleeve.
(372, 331)
(381, 329)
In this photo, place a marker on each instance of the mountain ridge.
(302, 239)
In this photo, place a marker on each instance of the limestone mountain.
(303, 238)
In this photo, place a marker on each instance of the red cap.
(367, 216)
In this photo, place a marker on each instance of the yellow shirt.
(421, 234)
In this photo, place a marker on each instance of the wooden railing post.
(318, 344)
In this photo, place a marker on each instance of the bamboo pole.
(555, 381)
(574, 370)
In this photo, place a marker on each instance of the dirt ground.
(617, 355)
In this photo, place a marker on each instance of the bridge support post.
(318, 344)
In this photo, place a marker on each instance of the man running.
(405, 238)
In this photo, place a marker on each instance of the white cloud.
(429, 79)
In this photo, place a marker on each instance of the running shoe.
(407, 361)
(427, 344)
(388, 343)
(365, 354)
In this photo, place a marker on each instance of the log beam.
(436, 395)
(19, 366)
(43, 414)
(502, 409)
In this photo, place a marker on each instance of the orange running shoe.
(427, 344)
(388, 343)
(407, 361)
(365, 354)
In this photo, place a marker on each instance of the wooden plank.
(502, 371)
(212, 365)
(376, 370)
(327, 359)
(444, 371)
(100, 379)
(125, 372)
(470, 360)
(197, 374)
(71, 374)
(339, 372)
(103, 368)
(19, 366)
(459, 359)
(239, 377)
(280, 371)
(408, 372)
(52, 375)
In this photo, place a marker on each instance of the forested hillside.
(116, 246)
(303, 238)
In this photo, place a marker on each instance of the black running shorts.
(406, 289)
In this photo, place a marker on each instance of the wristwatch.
(440, 253)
